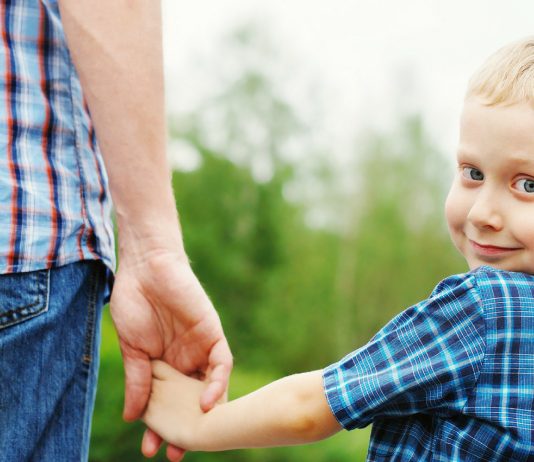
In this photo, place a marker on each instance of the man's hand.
(161, 311)
(158, 306)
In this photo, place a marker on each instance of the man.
(56, 240)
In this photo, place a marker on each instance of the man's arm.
(158, 306)
(117, 50)
(292, 410)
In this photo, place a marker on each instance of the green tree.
(398, 247)
(292, 297)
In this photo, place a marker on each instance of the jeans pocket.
(23, 296)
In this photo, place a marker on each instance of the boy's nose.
(486, 213)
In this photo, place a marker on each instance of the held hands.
(173, 410)
(161, 311)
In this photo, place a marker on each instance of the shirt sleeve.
(426, 359)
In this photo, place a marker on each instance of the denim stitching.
(10, 318)
(87, 357)
(91, 316)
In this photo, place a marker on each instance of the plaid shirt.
(55, 206)
(449, 379)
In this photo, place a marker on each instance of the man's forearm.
(292, 410)
(117, 50)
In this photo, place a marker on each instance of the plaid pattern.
(54, 201)
(449, 379)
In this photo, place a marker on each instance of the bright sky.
(353, 50)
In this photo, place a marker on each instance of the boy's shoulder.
(490, 284)
(485, 275)
(489, 277)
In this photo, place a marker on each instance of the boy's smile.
(490, 207)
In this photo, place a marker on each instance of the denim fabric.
(49, 344)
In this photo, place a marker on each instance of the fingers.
(213, 392)
(151, 443)
(221, 364)
(175, 454)
(138, 382)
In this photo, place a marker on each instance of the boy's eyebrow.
(516, 158)
(521, 159)
(465, 154)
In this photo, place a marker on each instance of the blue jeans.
(49, 344)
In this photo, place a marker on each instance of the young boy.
(449, 379)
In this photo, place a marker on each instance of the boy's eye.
(472, 174)
(525, 185)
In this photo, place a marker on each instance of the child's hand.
(173, 410)
(292, 410)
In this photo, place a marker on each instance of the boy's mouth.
(491, 250)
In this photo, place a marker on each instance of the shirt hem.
(331, 391)
(36, 265)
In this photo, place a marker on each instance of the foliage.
(113, 440)
(293, 297)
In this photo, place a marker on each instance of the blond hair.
(507, 76)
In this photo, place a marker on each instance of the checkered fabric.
(54, 200)
(449, 379)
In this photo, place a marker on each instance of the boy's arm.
(292, 410)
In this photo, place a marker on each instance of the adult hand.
(158, 305)
(161, 311)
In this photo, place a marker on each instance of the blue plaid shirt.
(449, 379)
(54, 199)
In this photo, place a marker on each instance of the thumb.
(218, 376)
(138, 381)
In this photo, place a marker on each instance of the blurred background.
(312, 144)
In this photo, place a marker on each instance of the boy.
(449, 379)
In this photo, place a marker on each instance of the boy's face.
(490, 207)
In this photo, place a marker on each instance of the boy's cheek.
(456, 216)
(452, 209)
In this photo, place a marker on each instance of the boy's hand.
(173, 410)
(292, 410)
